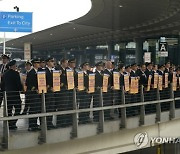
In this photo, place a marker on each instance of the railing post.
(123, 110)
(142, 108)
(101, 113)
(74, 132)
(5, 144)
(172, 104)
(158, 107)
(43, 125)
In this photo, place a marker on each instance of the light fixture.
(120, 6)
(51, 34)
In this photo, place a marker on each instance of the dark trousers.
(176, 95)
(50, 107)
(27, 102)
(13, 101)
(107, 101)
(64, 102)
(117, 97)
(84, 100)
(165, 94)
(130, 99)
(35, 107)
(150, 96)
(1, 96)
(96, 102)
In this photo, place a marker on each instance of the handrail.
(84, 110)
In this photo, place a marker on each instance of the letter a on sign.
(163, 48)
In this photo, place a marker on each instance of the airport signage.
(162, 46)
(163, 52)
(147, 57)
(15, 21)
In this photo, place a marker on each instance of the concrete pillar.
(65, 53)
(27, 51)
(152, 49)
(139, 50)
(92, 53)
(122, 52)
(80, 59)
(178, 52)
(110, 49)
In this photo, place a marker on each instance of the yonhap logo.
(141, 140)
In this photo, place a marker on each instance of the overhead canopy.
(109, 20)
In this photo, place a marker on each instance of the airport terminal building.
(115, 30)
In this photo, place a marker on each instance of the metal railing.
(123, 105)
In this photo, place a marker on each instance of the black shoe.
(63, 126)
(34, 129)
(84, 122)
(12, 128)
(108, 118)
(95, 120)
(24, 113)
(51, 127)
(58, 126)
(81, 122)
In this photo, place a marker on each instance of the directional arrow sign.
(15, 21)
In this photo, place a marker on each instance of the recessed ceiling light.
(74, 28)
(51, 34)
(120, 6)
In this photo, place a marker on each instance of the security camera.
(17, 8)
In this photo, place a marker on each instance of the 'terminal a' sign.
(15, 21)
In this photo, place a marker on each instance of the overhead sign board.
(163, 46)
(163, 52)
(15, 21)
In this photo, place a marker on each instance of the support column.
(92, 54)
(27, 51)
(82, 54)
(65, 53)
(80, 59)
(110, 49)
(178, 52)
(139, 50)
(122, 52)
(152, 49)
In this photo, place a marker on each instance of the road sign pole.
(4, 44)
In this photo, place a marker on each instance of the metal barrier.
(69, 111)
